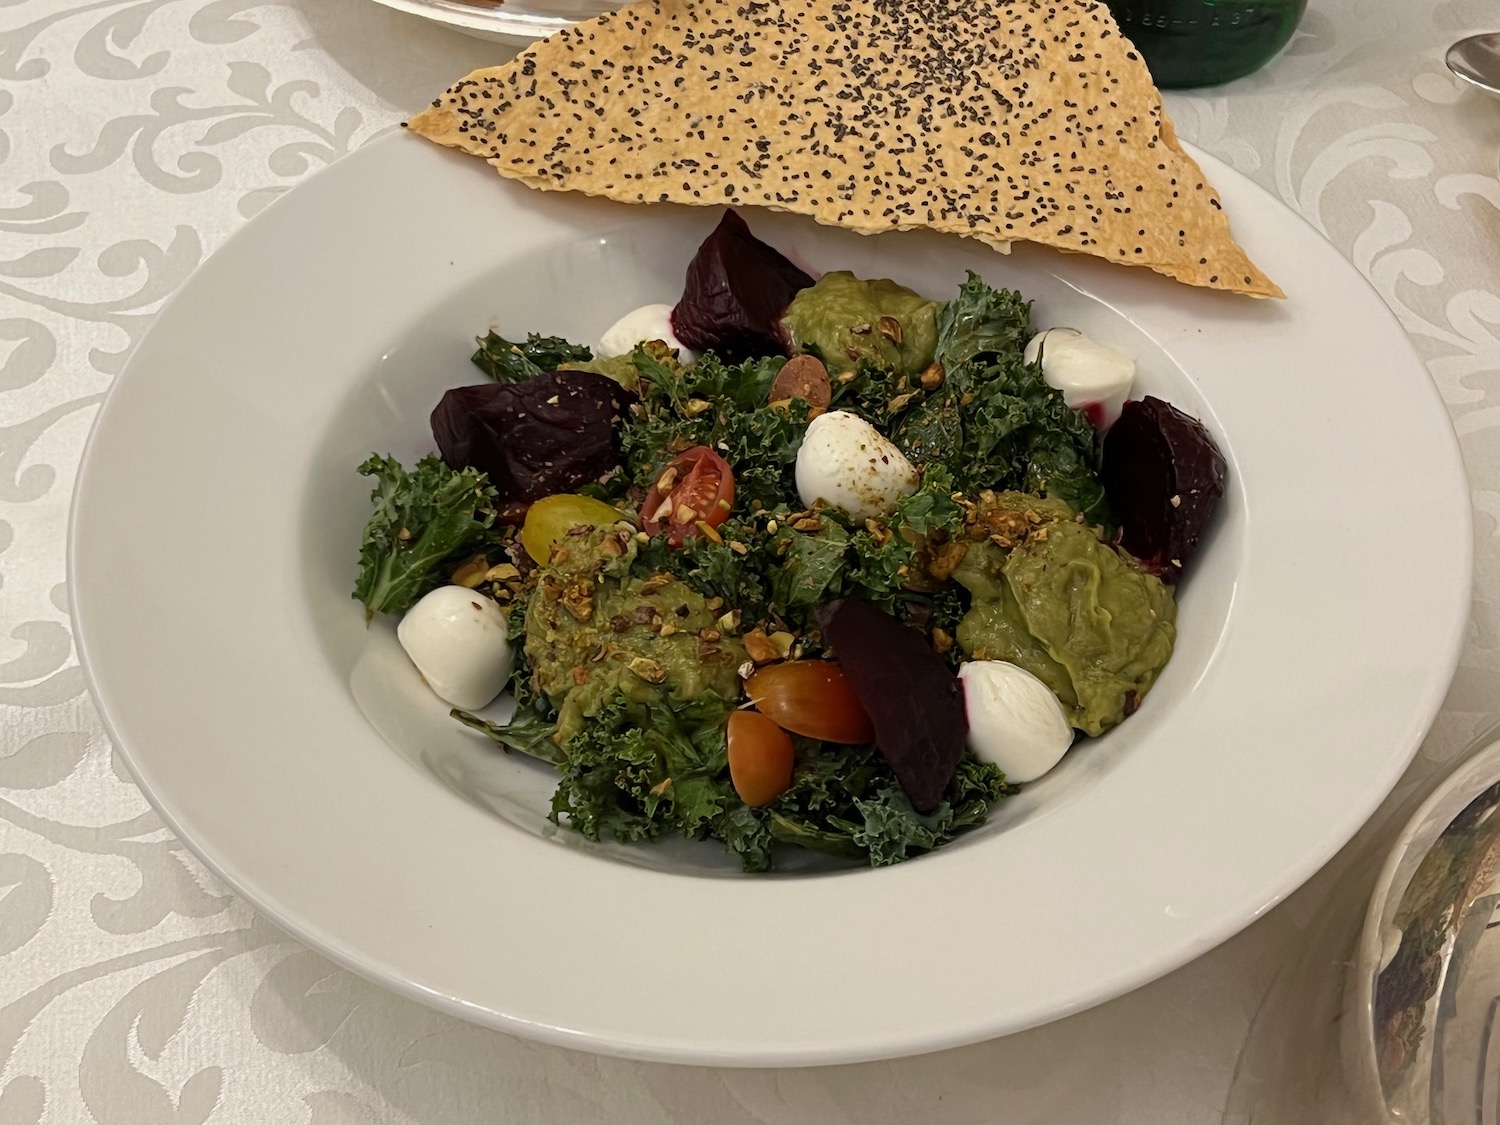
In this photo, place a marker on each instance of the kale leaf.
(814, 567)
(875, 393)
(845, 801)
(612, 780)
(995, 421)
(528, 731)
(506, 362)
(720, 405)
(892, 828)
(745, 833)
(980, 322)
(421, 518)
(522, 688)
(886, 563)
(639, 770)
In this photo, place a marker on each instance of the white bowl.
(213, 549)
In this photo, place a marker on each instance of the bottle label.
(1181, 16)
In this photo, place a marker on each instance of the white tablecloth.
(135, 136)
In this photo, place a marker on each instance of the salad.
(797, 562)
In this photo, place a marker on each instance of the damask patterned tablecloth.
(135, 136)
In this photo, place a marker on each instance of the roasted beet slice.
(1164, 478)
(913, 699)
(737, 290)
(548, 434)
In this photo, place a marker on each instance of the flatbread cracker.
(1027, 121)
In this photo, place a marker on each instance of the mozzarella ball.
(457, 639)
(1092, 378)
(647, 323)
(846, 463)
(1014, 719)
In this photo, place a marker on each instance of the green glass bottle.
(1206, 42)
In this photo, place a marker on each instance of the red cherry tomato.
(695, 490)
(760, 758)
(812, 698)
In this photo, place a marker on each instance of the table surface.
(135, 136)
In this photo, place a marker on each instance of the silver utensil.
(1477, 61)
(1422, 1033)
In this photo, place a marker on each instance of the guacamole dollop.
(1050, 597)
(841, 319)
(593, 630)
(620, 368)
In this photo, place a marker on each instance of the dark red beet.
(913, 699)
(548, 434)
(737, 291)
(1164, 478)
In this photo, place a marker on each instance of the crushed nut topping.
(578, 600)
(471, 573)
(655, 584)
(759, 647)
(652, 671)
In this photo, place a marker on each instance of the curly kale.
(723, 406)
(995, 421)
(528, 732)
(637, 770)
(845, 801)
(641, 771)
(529, 701)
(506, 362)
(421, 519)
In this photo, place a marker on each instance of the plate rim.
(391, 977)
(489, 23)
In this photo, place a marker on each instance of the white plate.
(514, 21)
(213, 547)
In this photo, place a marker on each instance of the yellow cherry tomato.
(551, 518)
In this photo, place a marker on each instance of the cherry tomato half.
(812, 698)
(760, 758)
(697, 488)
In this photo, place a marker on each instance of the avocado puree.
(1049, 596)
(620, 368)
(840, 318)
(593, 629)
